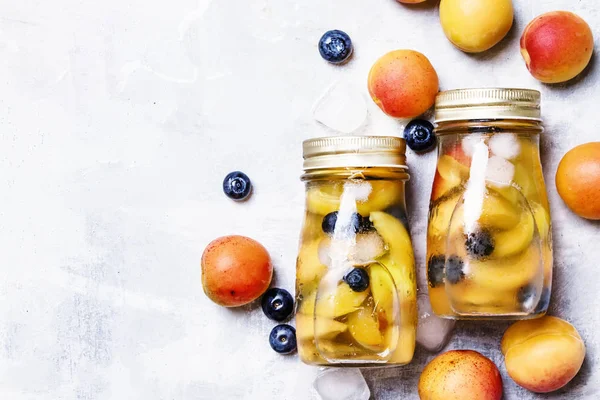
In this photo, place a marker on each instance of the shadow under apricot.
(427, 5)
(511, 39)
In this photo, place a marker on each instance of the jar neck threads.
(368, 173)
(518, 126)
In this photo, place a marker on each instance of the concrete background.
(118, 122)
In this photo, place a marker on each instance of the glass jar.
(355, 274)
(489, 240)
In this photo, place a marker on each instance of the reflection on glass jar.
(489, 243)
(355, 274)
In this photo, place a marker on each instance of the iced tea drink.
(355, 274)
(489, 242)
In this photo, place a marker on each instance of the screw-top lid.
(487, 103)
(354, 152)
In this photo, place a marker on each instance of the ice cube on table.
(499, 171)
(505, 145)
(433, 332)
(341, 384)
(342, 108)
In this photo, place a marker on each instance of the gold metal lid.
(487, 103)
(354, 152)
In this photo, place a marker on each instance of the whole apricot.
(557, 46)
(544, 354)
(235, 270)
(403, 83)
(476, 25)
(578, 180)
(460, 375)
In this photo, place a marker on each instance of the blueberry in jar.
(357, 279)
(237, 185)
(329, 222)
(335, 46)
(357, 224)
(435, 270)
(400, 214)
(366, 225)
(454, 270)
(544, 301)
(480, 244)
(283, 339)
(527, 294)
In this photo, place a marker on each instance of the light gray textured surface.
(119, 120)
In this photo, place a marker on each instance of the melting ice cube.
(433, 332)
(342, 108)
(468, 144)
(341, 384)
(499, 171)
(334, 252)
(505, 145)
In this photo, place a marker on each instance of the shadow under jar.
(355, 275)
(489, 242)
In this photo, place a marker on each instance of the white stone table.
(118, 122)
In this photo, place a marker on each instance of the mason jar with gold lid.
(355, 273)
(489, 241)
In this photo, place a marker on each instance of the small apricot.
(557, 46)
(476, 25)
(403, 83)
(460, 375)
(578, 180)
(542, 355)
(235, 270)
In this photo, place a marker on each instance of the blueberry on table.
(357, 279)
(277, 304)
(435, 270)
(454, 270)
(237, 185)
(419, 135)
(480, 244)
(335, 46)
(283, 339)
